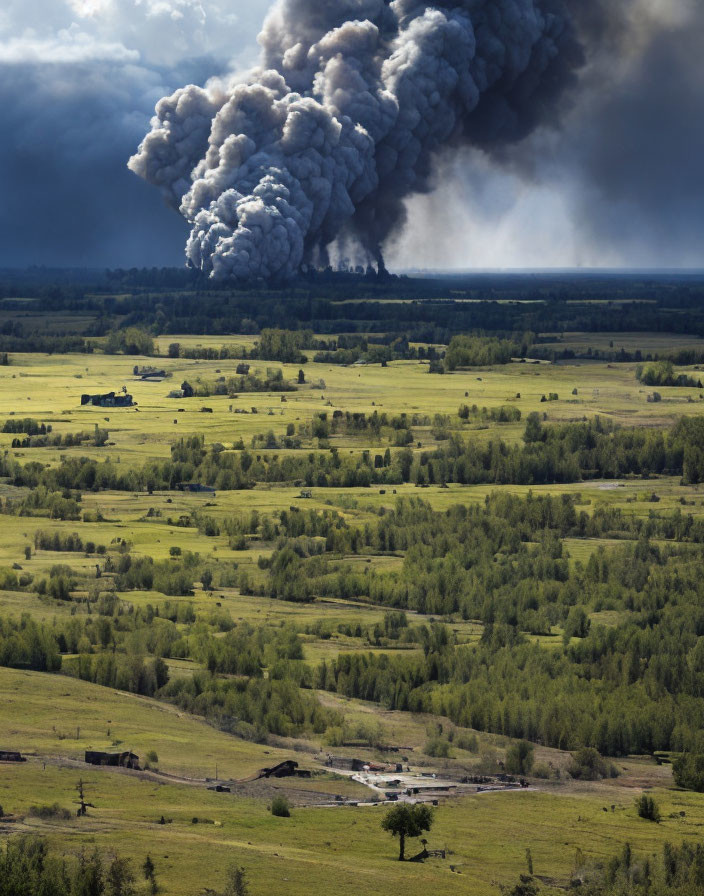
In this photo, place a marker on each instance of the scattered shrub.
(280, 807)
(589, 765)
(468, 742)
(688, 771)
(50, 812)
(519, 758)
(438, 748)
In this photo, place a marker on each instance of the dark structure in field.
(352, 765)
(117, 760)
(286, 769)
(109, 400)
(11, 756)
(195, 487)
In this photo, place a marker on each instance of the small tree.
(404, 821)
(533, 431)
(525, 887)
(301, 378)
(149, 872)
(577, 625)
(688, 771)
(120, 879)
(236, 883)
(648, 808)
(519, 758)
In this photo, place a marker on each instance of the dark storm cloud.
(635, 152)
(79, 80)
(66, 197)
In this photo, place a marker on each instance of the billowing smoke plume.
(354, 99)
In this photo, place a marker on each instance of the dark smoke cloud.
(619, 183)
(565, 163)
(344, 121)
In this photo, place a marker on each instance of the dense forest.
(635, 685)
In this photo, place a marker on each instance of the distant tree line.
(430, 311)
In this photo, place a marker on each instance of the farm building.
(109, 400)
(119, 760)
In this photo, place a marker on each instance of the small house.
(125, 759)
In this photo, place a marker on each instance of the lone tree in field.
(404, 821)
(236, 884)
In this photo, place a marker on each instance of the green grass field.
(53, 719)
(486, 835)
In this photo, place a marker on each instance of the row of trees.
(555, 454)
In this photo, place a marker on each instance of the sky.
(617, 181)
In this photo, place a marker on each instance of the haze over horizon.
(618, 183)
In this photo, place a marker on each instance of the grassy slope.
(486, 834)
